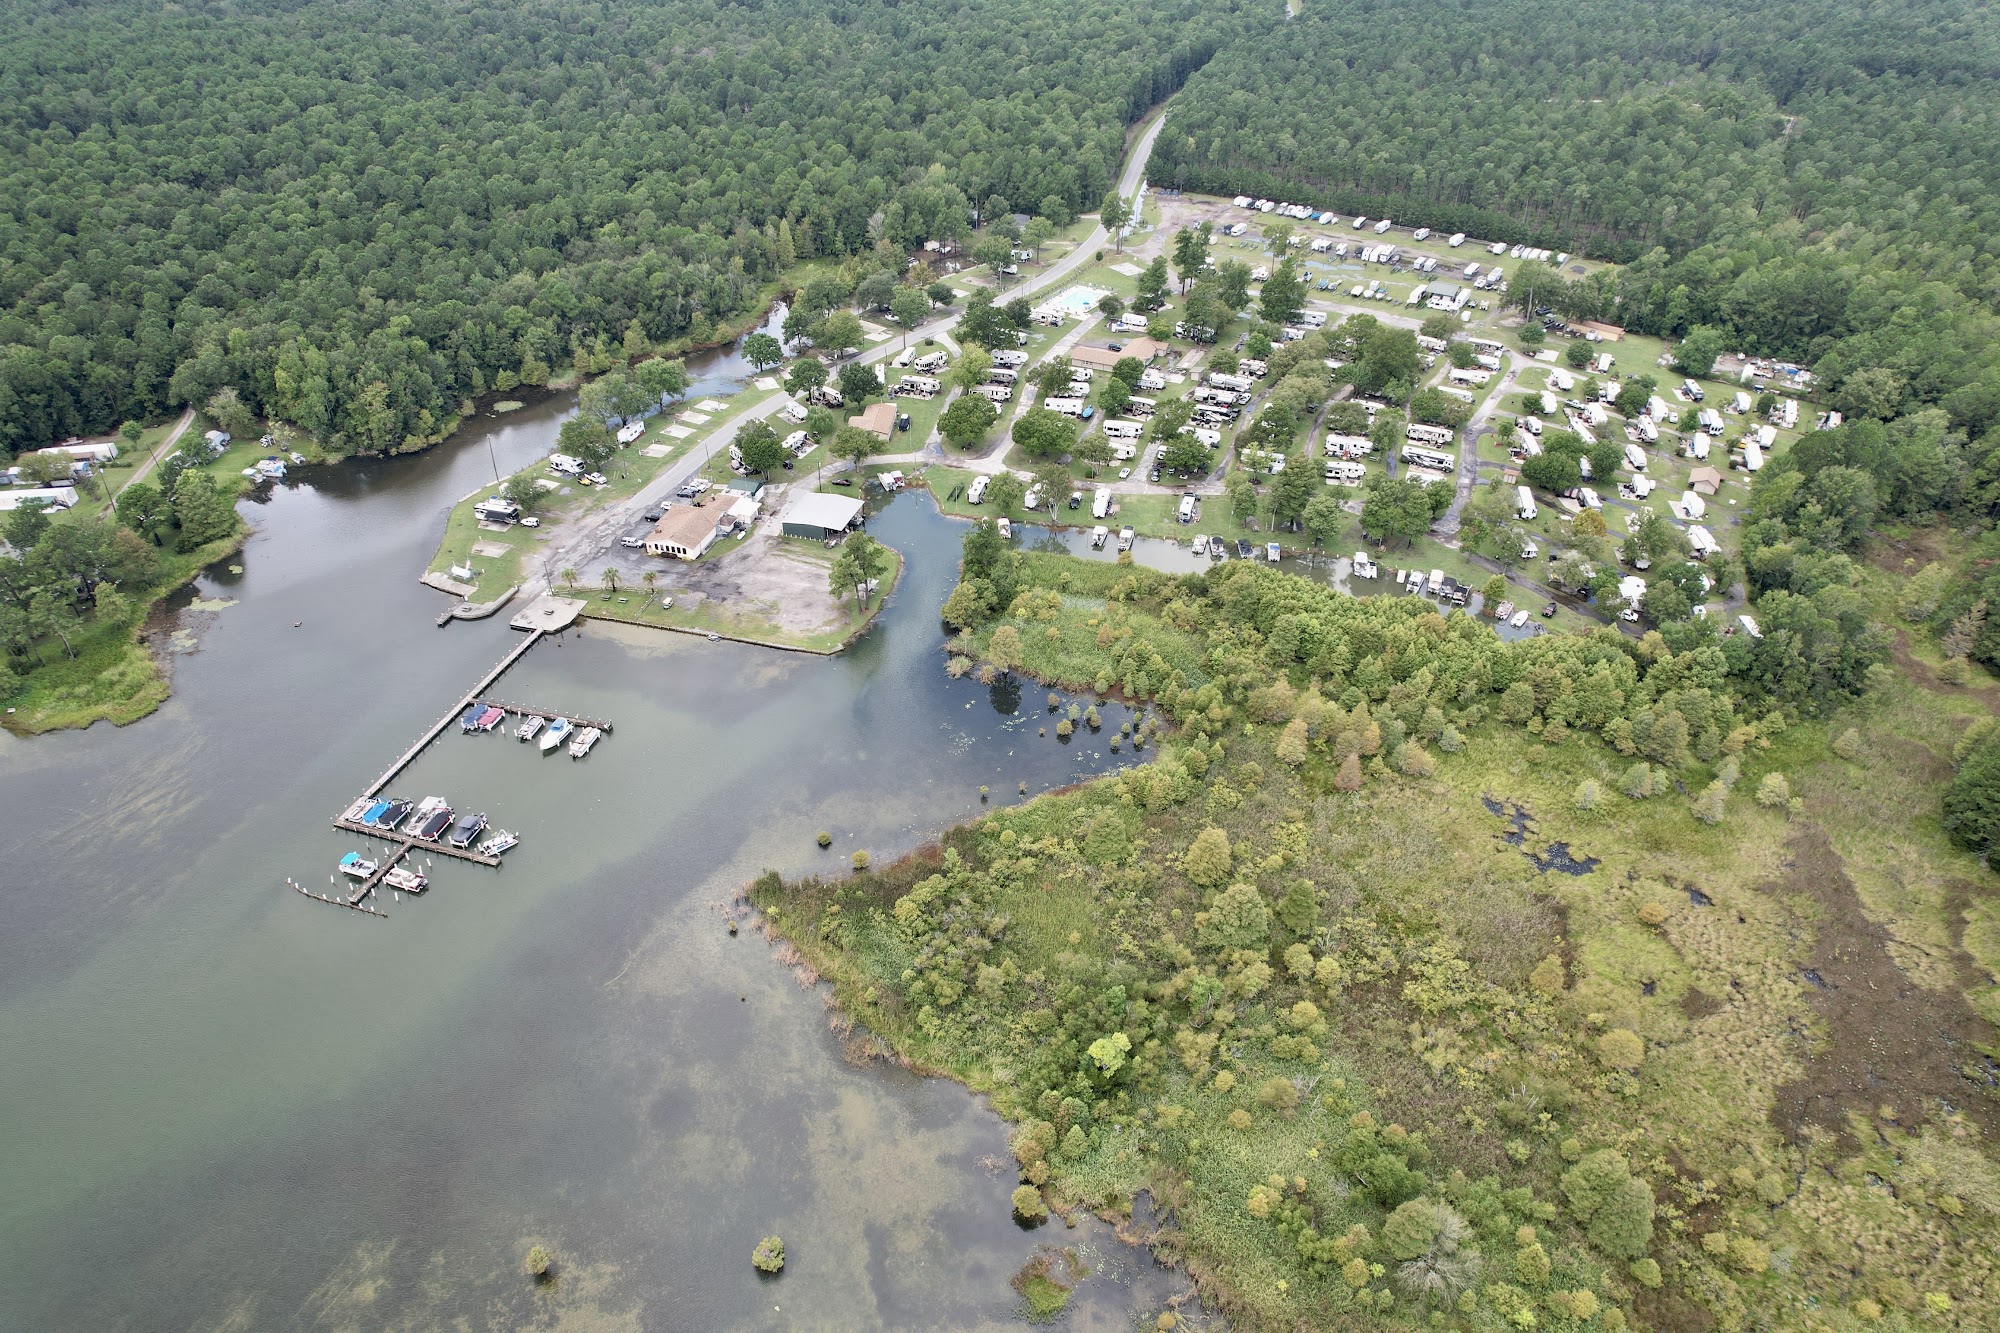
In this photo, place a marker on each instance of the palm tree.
(650, 577)
(611, 578)
(569, 579)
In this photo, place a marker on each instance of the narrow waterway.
(228, 1107)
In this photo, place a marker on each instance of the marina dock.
(405, 843)
(437, 729)
(545, 616)
(354, 903)
(547, 714)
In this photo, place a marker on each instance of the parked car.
(598, 478)
(1548, 610)
(531, 522)
(652, 515)
(631, 543)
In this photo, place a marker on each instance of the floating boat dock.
(405, 843)
(548, 714)
(546, 615)
(354, 902)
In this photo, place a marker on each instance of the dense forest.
(1817, 181)
(361, 213)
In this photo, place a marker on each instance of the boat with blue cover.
(375, 812)
(557, 733)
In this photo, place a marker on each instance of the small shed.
(1704, 481)
(818, 516)
(877, 419)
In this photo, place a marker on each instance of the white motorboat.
(557, 733)
(530, 727)
(499, 843)
(586, 738)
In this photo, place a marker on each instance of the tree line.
(362, 216)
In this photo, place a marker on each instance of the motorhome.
(1457, 239)
(1100, 504)
(915, 386)
(1429, 435)
(1010, 358)
(1524, 503)
(997, 394)
(1344, 472)
(1533, 425)
(1122, 430)
(976, 494)
(1635, 457)
(1421, 234)
(1152, 381)
(1234, 383)
(1142, 408)
(1429, 460)
(1186, 512)
(930, 363)
(1069, 407)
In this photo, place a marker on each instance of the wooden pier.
(354, 902)
(522, 710)
(438, 728)
(405, 843)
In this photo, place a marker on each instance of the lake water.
(229, 1107)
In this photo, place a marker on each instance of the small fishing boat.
(1200, 544)
(586, 738)
(499, 843)
(467, 830)
(427, 807)
(1098, 536)
(1520, 618)
(1006, 526)
(433, 828)
(530, 726)
(557, 733)
(397, 812)
(471, 717)
(356, 866)
(375, 812)
(1125, 539)
(405, 880)
(490, 718)
(1503, 611)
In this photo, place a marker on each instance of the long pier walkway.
(409, 756)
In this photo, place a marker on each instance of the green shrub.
(769, 1256)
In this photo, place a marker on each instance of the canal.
(227, 1107)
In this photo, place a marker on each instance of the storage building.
(819, 517)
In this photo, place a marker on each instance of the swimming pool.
(1078, 301)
